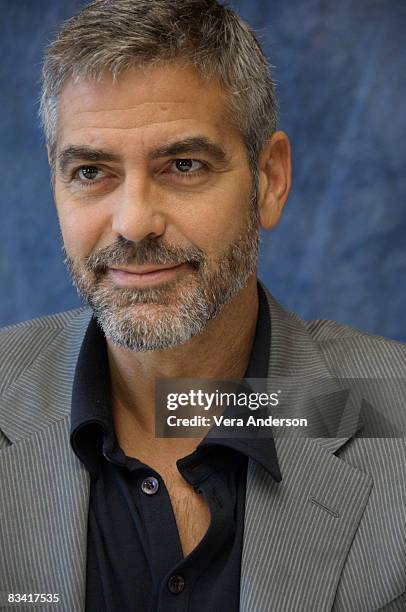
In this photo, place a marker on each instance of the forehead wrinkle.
(136, 107)
(125, 127)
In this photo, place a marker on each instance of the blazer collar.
(40, 396)
(333, 410)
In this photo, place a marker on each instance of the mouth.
(142, 276)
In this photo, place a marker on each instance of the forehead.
(142, 106)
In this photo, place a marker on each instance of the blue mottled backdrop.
(340, 249)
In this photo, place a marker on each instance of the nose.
(137, 214)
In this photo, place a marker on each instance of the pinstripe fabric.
(37, 483)
(330, 537)
(4, 442)
(306, 532)
(44, 487)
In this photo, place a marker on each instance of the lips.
(143, 276)
(143, 270)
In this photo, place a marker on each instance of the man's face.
(156, 203)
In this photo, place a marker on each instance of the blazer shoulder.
(22, 343)
(353, 352)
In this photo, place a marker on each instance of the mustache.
(126, 252)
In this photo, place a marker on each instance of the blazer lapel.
(44, 487)
(298, 532)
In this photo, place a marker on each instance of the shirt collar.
(91, 414)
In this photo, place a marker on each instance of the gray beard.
(157, 318)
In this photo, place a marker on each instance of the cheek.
(82, 224)
(81, 230)
(216, 223)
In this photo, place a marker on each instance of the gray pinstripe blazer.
(330, 537)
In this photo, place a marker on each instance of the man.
(160, 122)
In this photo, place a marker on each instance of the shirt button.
(176, 584)
(150, 485)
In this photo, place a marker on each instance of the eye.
(188, 166)
(88, 173)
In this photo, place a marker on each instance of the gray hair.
(116, 35)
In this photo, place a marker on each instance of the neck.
(222, 351)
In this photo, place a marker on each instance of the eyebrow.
(194, 144)
(73, 153)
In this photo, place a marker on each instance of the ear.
(275, 179)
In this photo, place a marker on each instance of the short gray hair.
(117, 35)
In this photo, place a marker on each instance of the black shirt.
(134, 555)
